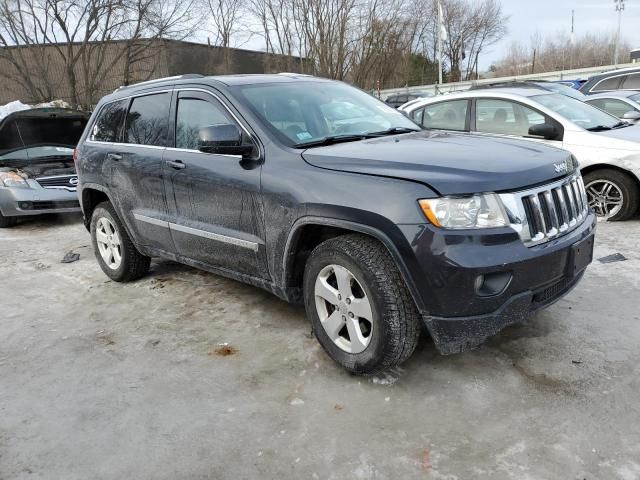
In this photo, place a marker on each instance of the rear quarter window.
(108, 126)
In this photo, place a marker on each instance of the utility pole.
(572, 42)
(439, 47)
(619, 9)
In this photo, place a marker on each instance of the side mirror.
(544, 130)
(632, 115)
(223, 139)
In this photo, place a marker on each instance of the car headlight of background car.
(478, 211)
(13, 180)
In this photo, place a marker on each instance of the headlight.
(478, 211)
(13, 180)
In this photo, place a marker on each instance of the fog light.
(25, 205)
(491, 284)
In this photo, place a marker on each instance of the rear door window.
(108, 126)
(445, 115)
(148, 120)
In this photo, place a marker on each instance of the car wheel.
(116, 254)
(7, 222)
(359, 306)
(612, 194)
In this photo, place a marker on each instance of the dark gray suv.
(321, 194)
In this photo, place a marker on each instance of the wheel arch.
(92, 195)
(309, 232)
(609, 166)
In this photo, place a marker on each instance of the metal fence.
(578, 73)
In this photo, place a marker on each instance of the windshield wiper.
(394, 131)
(622, 124)
(598, 128)
(331, 139)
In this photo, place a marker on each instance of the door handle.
(177, 164)
(114, 156)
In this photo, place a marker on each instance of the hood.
(449, 163)
(629, 136)
(40, 132)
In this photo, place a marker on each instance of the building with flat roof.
(635, 55)
(40, 73)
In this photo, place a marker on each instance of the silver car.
(607, 148)
(37, 171)
(624, 104)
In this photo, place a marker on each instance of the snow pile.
(17, 106)
(11, 107)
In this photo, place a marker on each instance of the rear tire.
(114, 250)
(605, 187)
(338, 313)
(7, 222)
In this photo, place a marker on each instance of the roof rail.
(157, 80)
(293, 74)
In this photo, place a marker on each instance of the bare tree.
(471, 26)
(558, 53)
(226, 20)
(28, 67)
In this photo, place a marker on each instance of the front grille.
(543, 213)
(65, 182)
(49, 205)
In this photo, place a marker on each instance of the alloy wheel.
(343, 308)
(109, 244)
(605, 197)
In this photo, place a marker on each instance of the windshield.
(306, 112)
(38, 153)
(565, 90)
(635, 98)
(580, 113)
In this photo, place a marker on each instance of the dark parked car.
(398, 99)
(377, 226)
(623, 79)
(37, 173)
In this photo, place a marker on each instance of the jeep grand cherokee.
(322, 194)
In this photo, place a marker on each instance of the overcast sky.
(551, 16)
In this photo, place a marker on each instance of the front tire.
(114, 250)
(612, 194)
(359, 306)
(7, 222)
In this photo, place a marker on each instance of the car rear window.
(148, 120)
(632, 82)
(108, 126)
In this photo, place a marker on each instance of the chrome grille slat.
(543, 213)
(59, 182)
(551, 205)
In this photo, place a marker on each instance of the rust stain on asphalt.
(224, 351)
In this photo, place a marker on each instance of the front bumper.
(19, 202)
(457, 313)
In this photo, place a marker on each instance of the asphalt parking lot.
(185, 374)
